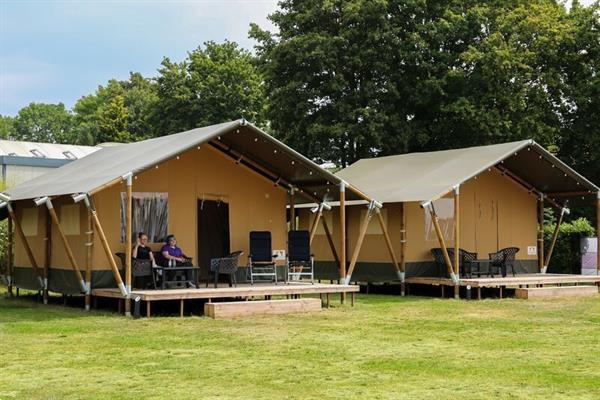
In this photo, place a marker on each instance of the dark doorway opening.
(213, 233)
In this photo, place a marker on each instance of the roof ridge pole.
(111, 260)
(128, 178)
(541, 234)
(23, 238)
(361, 236)
(440, 236)
(456, 237)
(48, 202)
(563, 211)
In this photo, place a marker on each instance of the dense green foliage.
(566, 256)
(349, 79)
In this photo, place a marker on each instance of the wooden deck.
(512, 282)
(242, 292)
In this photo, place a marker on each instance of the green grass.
(386, 347)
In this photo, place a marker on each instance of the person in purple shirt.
(170, 251)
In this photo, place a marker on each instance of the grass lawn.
(386, 347)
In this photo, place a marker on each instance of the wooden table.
(188, 281)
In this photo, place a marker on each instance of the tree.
(112, 121)
(130, 104)
(349, 79)
(579, 143)
(39, 122)
(215, 83)
(7, 127)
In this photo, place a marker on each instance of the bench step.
(556, 291)
(260, 307)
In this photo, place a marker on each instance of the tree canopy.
(348, 79)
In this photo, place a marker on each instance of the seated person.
(141, 250)
(172, 254)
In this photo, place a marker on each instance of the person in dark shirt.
(141, 250)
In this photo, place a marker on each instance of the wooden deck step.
(232, 309)
(556, 291)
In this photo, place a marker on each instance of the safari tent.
(209, 186)
(501, 191)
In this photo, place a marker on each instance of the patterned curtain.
(150, 214)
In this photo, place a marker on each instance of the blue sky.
(58, 51)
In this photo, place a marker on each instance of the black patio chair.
(501, 260)
(142, 273)
(261, 261)
(300, 262)
(468, 266)
(225, 265)
(440, 263)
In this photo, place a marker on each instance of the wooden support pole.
(598, 234)
(554, 237)
(403, 247)
(342, 236)
(128, 240)
(292, 209)
(541, 234)
(440, 236)
(315, 225)
(456, 237)
(107, 250)
(68, 250)
(89, 246)
(28, 251)
(330, 241)
(388, 245)
(9, 257)
(361, 236)
(47, 255)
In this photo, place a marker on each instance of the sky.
(57, 51)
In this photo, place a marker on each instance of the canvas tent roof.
(427, 176)
(238, 139)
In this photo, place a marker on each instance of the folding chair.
(299, 262)
(261, 261)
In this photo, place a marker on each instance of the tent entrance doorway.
(213, 233)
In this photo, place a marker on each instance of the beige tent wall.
(254, 204)
(495, 213)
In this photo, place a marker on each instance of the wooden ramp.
(260, 307)
(556, 291)
(241, 292)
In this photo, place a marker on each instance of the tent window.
(150, 214)
(69, 219)
(29, 221)
(444, 208)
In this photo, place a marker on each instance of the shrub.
(566, 257)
